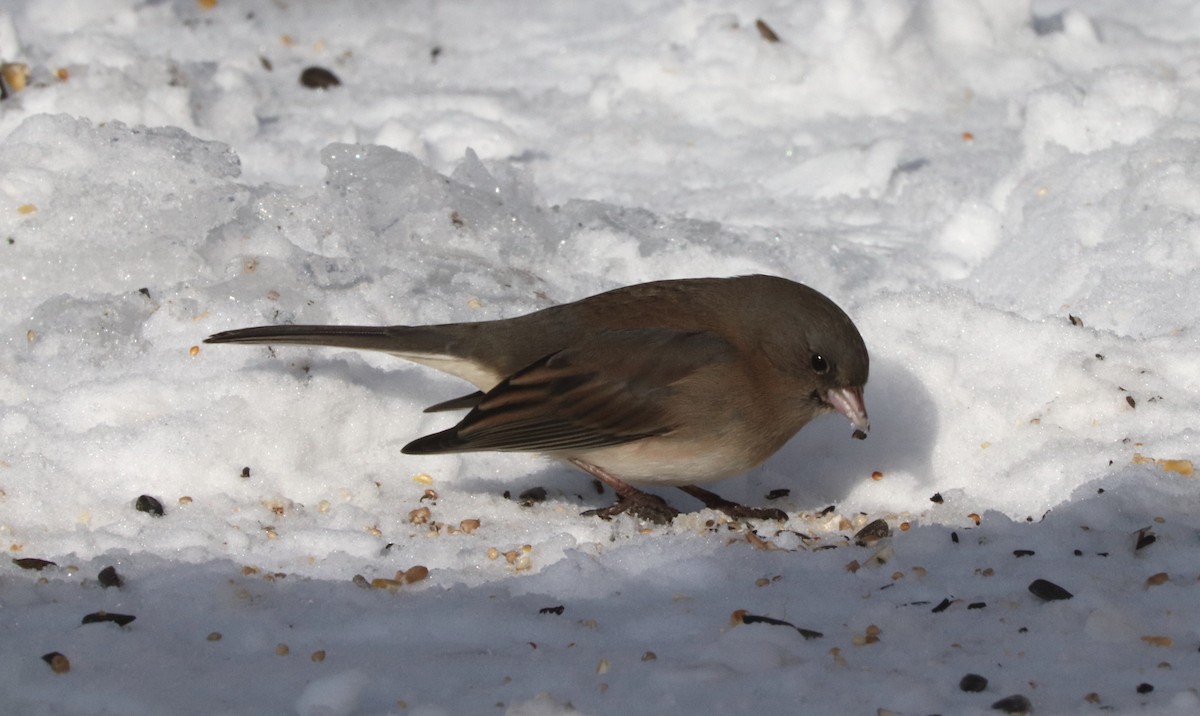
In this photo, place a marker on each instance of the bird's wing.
(610, 388)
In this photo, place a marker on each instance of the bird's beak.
(849, 402)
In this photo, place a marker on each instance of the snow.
(1002, 194)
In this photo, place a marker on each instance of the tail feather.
(391, 339)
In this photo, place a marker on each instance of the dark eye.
(819, 364)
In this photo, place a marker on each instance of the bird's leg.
(629, 498)
(714, 501)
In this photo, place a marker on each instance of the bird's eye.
(819, 364)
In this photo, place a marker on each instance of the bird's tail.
(454, 348)
(403, 340)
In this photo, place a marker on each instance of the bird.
(668, 383)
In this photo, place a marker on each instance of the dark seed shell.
(33, 563)
(1047, 590)
(973, 683)
(146, 503)
(872, 533)
(109, 578)
(757, 619)
(552, 610)
(1015, 704)
(318, 78)
(532, 495)
(99, 617)
(765, 31)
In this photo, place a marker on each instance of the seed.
(1015, 704)
(415, 574)
(1156, 579)
(59, 664)
(972, 683)
(1048, 591)
(318, 78)
(109, 578)
(765, 31)
(146, 503)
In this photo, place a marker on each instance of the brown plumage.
(670, 382)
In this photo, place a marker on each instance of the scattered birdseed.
(282, 650)
(742, 617)
(973, 683)
(765, 31)
(778, 493)
(1023, 553)
(532, 496)
(1144, 688)
(1145, 538)
(552, 610)
(1163, 641)
(214, 636)
(102, 616)
(148, 504)
(318, 656)
(419, 516)
(1048, 591)
(1015, 704)
(1155, 580)
(468, 526)
(59, 664)
(414, 574)
(937, 498)
(649, 656)
(33, 563)
(872, 533)
(109, 578)
(319, 78)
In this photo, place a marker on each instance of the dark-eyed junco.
(663, 383)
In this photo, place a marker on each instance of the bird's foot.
(714, 501)
(629, 498)
(642, 504)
